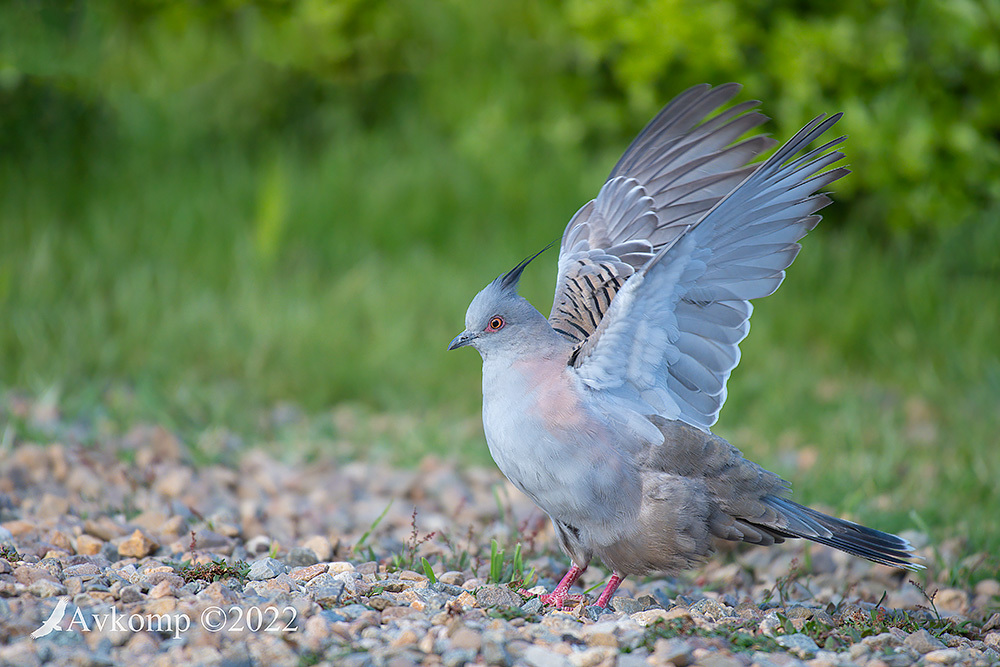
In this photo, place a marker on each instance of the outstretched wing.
(670, 338)
(670, 176)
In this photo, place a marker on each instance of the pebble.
(266, 568)
(320, 546)
(625, 605)
(138, 545)
(922, 641)
(46, 588)
(290, 521)
(301, 557)
(945, 656)
(497, 596)
(801, 645)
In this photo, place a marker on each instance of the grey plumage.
(600, 412)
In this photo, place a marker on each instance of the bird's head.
(500, 319)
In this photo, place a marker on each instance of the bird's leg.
(560, 595)
(609, 590)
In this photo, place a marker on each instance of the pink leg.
(560, 595)
(609, 590)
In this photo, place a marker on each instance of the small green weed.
(9, 553)
(502, 572)
(364, 538)
(407, 559)
(217, 570)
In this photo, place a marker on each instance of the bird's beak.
(462, 339)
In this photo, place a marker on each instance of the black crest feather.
(510, 279)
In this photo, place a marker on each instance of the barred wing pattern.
(670, 338)
(674, 171)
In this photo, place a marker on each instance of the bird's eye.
(495, 324)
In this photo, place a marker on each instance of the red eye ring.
(496, 323)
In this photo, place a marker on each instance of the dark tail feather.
(855, 539)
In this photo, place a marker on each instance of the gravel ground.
(133, 553)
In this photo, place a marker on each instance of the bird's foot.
(561, 600)
(556, 598)
(560, 596)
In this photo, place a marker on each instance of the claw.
(560, 596)
(558, 601)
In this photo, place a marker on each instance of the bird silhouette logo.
(53, 621)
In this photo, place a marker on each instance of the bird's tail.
(853, 538)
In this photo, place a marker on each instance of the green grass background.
(208, 209)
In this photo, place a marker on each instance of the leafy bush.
(916, 79)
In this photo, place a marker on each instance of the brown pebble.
(175, 526)
(339, 567)
(466, 638)
(88, 545)
(651, 616)
(952, 599)
(138, 545)
(405, 638)
(161, 606)
(18, 527)
(163, 589)
(103, 527)
(303, 574)
(320, 546)
(219, 593)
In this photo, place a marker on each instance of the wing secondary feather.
(674, 171)
(670, 338)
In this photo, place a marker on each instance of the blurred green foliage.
(916, 79)
(224, 204)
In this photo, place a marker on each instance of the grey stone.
(636, 658)
(719, 660)
(674, 650)
(922, 641)
(804, 613)
(129, 594)
(355, 660)
(458, 656)
(333, 615)
(110, 551)
(770, 624)
(328, 595)
(800, 644)
(301, 557)
(46, 588)
(993, 623)
(625, 605)
(493, 650)
(195, 587)
(713, 609)
(532, 606)
(353, 611)
(266, 568)
(882, 641)
(897, 659)
(83, 570)
(497, 596)
(649, 602)
(259, 544)
(448, 589)
(539, 656)
(432, 599)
